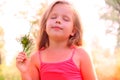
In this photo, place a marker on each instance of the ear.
(73, 32)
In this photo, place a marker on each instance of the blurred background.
(101, 25)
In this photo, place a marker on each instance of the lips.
(57, 28)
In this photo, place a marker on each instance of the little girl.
(59, 55)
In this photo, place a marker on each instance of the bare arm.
(35, 64)
(87, 68)
(28, 67)
(23, 63)
(26, 76)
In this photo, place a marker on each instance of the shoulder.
(35, 58)
(83, 54)
(81, 51)
(85, 61)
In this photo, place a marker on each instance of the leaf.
(27, 44)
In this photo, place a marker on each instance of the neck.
(58, 44)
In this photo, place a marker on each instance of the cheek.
(70, 27)
(48, 23)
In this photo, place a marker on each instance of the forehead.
(63, 8)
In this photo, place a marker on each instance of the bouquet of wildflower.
(27, 44)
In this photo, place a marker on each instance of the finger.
(20, 58)
(23, 53)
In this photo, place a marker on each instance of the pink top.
(65, 70)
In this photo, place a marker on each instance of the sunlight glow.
(14, 25)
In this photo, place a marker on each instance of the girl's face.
(59, 24)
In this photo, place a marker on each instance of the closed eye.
(65, 18)
(53, 16)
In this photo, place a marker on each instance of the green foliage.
(114, 10)
(27, 44)
(114, 3)
(113, 14)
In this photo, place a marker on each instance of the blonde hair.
(43, 40)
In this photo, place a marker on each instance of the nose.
(58, 22)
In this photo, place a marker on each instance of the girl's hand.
(22, 62)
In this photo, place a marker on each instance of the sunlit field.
(18, 17)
